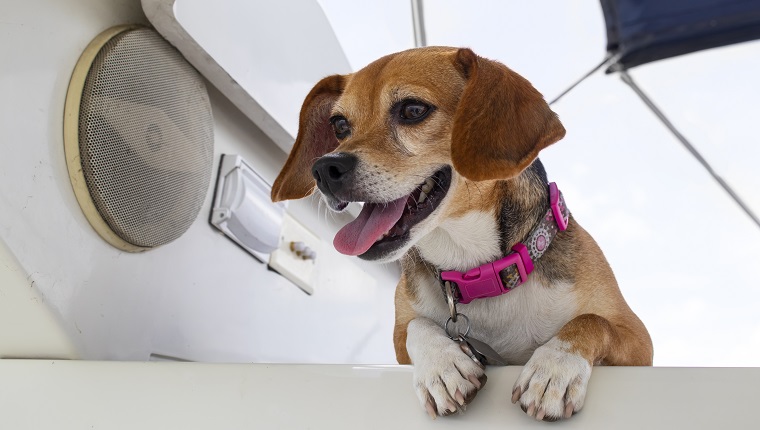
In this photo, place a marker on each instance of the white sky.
(686, 258)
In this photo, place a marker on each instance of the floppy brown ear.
(501, 122)
(315, 139)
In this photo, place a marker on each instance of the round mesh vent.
(143, 137)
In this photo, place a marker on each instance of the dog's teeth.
(428, 185)
(422, 197)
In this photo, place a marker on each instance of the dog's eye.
(413, 111)
(340, 126)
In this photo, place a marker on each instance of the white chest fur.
(462, 243)
(514, 324)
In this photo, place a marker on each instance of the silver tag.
(470, 351)
(485, 354)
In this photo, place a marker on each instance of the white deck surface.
(117, 395)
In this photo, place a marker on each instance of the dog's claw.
(540, 414)
(430, 410)
(569, 408)
(483, 379)
(531, 409)
(459, 397)
(516, 393)
(477, 382)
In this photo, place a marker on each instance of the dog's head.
(405, 134)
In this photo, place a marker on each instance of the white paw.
(553, 383)
(445, 378)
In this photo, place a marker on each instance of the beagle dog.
(441, 146)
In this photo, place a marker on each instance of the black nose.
(333, 171)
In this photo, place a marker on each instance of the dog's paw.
(553, 383)
(446, 379)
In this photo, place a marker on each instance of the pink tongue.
(374, 220)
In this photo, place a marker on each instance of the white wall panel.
(199, 297)
(263, 55)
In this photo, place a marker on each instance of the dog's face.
(405, 135)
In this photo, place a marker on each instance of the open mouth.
(384, 227)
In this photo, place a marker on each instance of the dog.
(441, 145)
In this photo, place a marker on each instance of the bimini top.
(641, 31)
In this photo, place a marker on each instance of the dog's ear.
(501, 122)
(315, 139)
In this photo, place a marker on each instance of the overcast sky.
(687, 259)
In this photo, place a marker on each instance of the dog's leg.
(553, 383)
(445, 378)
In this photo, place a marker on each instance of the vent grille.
(145, 138)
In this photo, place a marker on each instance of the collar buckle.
(557, 206)
(485, 281)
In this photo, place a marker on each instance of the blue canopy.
(641, 31)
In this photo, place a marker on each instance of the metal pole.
(608, 59)
(418, 21)
(681, 138)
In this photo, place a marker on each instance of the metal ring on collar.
(466, 320)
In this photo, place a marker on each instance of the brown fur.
(404, 314)
(501, 122)
(315, 138)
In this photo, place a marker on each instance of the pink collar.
(501, 276)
